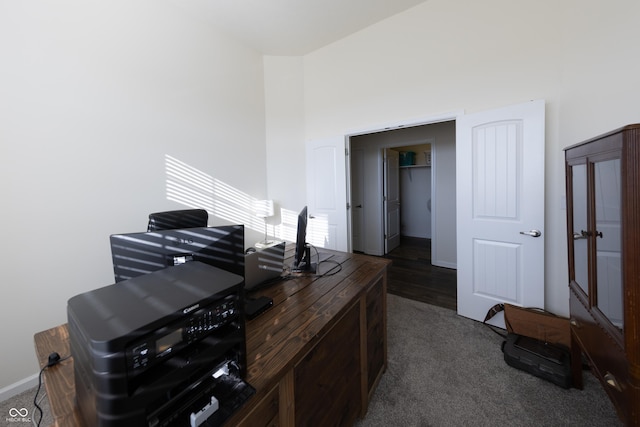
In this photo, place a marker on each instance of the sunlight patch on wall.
(195, 189)
(288, 226)
(319, 233)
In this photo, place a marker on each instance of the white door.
(327, 194)
(357, 199)
(500, 209)
(391, 198)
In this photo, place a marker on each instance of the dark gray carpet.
(446, 370)
(11, 410)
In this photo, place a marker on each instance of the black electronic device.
(256, 306)
(302, 257)
(185, 218)
(165, 348)
(263, 266)
(551, 362)
(135, 254)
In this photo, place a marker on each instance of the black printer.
(165, 348)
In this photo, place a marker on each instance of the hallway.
(412, 276)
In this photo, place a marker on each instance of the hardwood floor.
(412, 276)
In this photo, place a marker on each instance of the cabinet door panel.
(265, 413)
(608, 239)
(580, 227)
(328, 380)
(606, 358)
(376, 351)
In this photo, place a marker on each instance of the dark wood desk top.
(304, 308)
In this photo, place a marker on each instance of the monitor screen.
(135, 254)
(301, 236)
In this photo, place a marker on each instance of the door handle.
(581, 235)
(532, 233)
(586, 234)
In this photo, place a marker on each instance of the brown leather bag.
(537, 323)
(534, 323)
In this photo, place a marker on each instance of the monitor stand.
(305, 266)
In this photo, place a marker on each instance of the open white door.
(327, 194)
(500, 209)
(391, 199)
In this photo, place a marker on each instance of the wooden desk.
(314, 358)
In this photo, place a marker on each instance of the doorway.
(415, 183)
(424, 265)
(435, 199)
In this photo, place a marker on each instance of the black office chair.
(169, 220)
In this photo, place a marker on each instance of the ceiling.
(294, 27)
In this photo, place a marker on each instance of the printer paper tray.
(230, 391)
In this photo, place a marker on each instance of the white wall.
(93, 95)
(415, 201)
(284, 99)
(444, 56)
(415, 193)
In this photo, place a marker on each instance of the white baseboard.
(16, 388)
(445, 264)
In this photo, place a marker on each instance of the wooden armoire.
(603, 225)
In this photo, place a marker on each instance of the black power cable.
(54, 359)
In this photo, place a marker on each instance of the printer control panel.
(209, 319)
(195, 324)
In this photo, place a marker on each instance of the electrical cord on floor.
(33, 415)
(54, 359)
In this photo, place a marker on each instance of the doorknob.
(581, 235)
(532, 233)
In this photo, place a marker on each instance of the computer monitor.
(302, 258)
(135, 254)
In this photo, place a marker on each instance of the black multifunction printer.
(165, 348)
